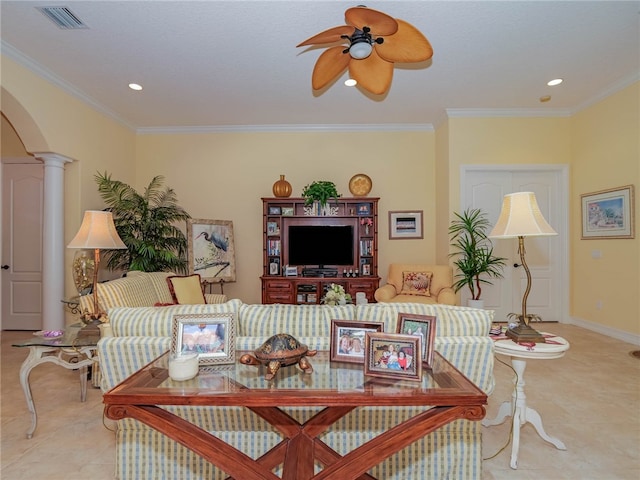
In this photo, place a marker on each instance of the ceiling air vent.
(63, 17)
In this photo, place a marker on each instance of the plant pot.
(475, 303)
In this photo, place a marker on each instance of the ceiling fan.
(375, 42)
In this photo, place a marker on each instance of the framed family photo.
(608, 213)
(348, 337)
(211, 250)
(423, 327)
(405, 224)
(392, 355)
(210, 335)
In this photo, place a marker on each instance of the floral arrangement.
(336, 295)
(366, 221)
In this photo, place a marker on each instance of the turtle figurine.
(280, 350)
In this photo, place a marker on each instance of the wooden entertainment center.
(355, 221)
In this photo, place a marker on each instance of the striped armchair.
(142, 334)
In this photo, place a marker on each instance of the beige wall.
(606, 154)
(48, 119)
(229, 173)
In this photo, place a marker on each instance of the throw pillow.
(416, 283)
(186, 290)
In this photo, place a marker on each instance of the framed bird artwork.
(211, 251)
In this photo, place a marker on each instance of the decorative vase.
(83, 267)
(282, 188)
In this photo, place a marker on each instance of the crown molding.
(27, 62)
(387, 127)
(506, 112)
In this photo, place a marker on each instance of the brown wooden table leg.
(209, 447)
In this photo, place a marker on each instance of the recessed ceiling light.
(350, 82)
(135, 86)
(554, 82)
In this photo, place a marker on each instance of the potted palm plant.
(473, 252)
(146, 225)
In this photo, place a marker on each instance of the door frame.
(562, 173)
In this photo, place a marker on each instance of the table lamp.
(521, 217)
(97, 232)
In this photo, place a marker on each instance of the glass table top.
(71, 337)
(331, 383)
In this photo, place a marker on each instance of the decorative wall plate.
(360, 185)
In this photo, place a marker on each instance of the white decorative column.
(53, 248)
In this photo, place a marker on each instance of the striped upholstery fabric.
(159, 282)
(137, 289)
(451, 320)
(158, 321)
(141, 334)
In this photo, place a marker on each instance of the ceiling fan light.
(360, 50)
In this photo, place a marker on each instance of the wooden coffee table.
(340, 387)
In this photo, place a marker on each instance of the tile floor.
(589, 399)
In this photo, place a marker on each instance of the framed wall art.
(210, 335)
(423, 327)
(405, 224)
(348, 339)
(211, 251)
(392, 355)
(608, 213)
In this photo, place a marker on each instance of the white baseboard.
(632, 338)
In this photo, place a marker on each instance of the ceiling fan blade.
(329, 36)
(407, 45)
(379, 23)
(373, 73)
(330, 65)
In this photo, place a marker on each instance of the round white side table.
(555, 347)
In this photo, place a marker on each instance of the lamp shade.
(97, 231)
(521, 217)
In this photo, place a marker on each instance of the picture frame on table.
(274, 266)
(211, 250)
(287, 211)
(211, 335)
(392, 355)
(608, 214)
(348, 339)
(405, 224)
(275, 210)
(423, 327)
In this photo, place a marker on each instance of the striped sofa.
(137, 289)
(142, 334)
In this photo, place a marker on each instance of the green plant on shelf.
(319, 191)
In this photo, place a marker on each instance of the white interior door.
(545, 256)
(22, 207)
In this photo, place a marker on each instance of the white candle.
(183, 367)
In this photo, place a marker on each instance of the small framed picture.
(287, 211)
(275, 211)
(423, 327)
(366, 269)
(347, 339)
(364, 209)
(274, 266)
(273, 228)
(290, 271)
(405, 224)
(211, 335)
(392, 355)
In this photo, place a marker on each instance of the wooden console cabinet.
(306, 284)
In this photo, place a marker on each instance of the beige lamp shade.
(97, 231)
(521, 217)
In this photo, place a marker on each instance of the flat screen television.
(320, 245)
